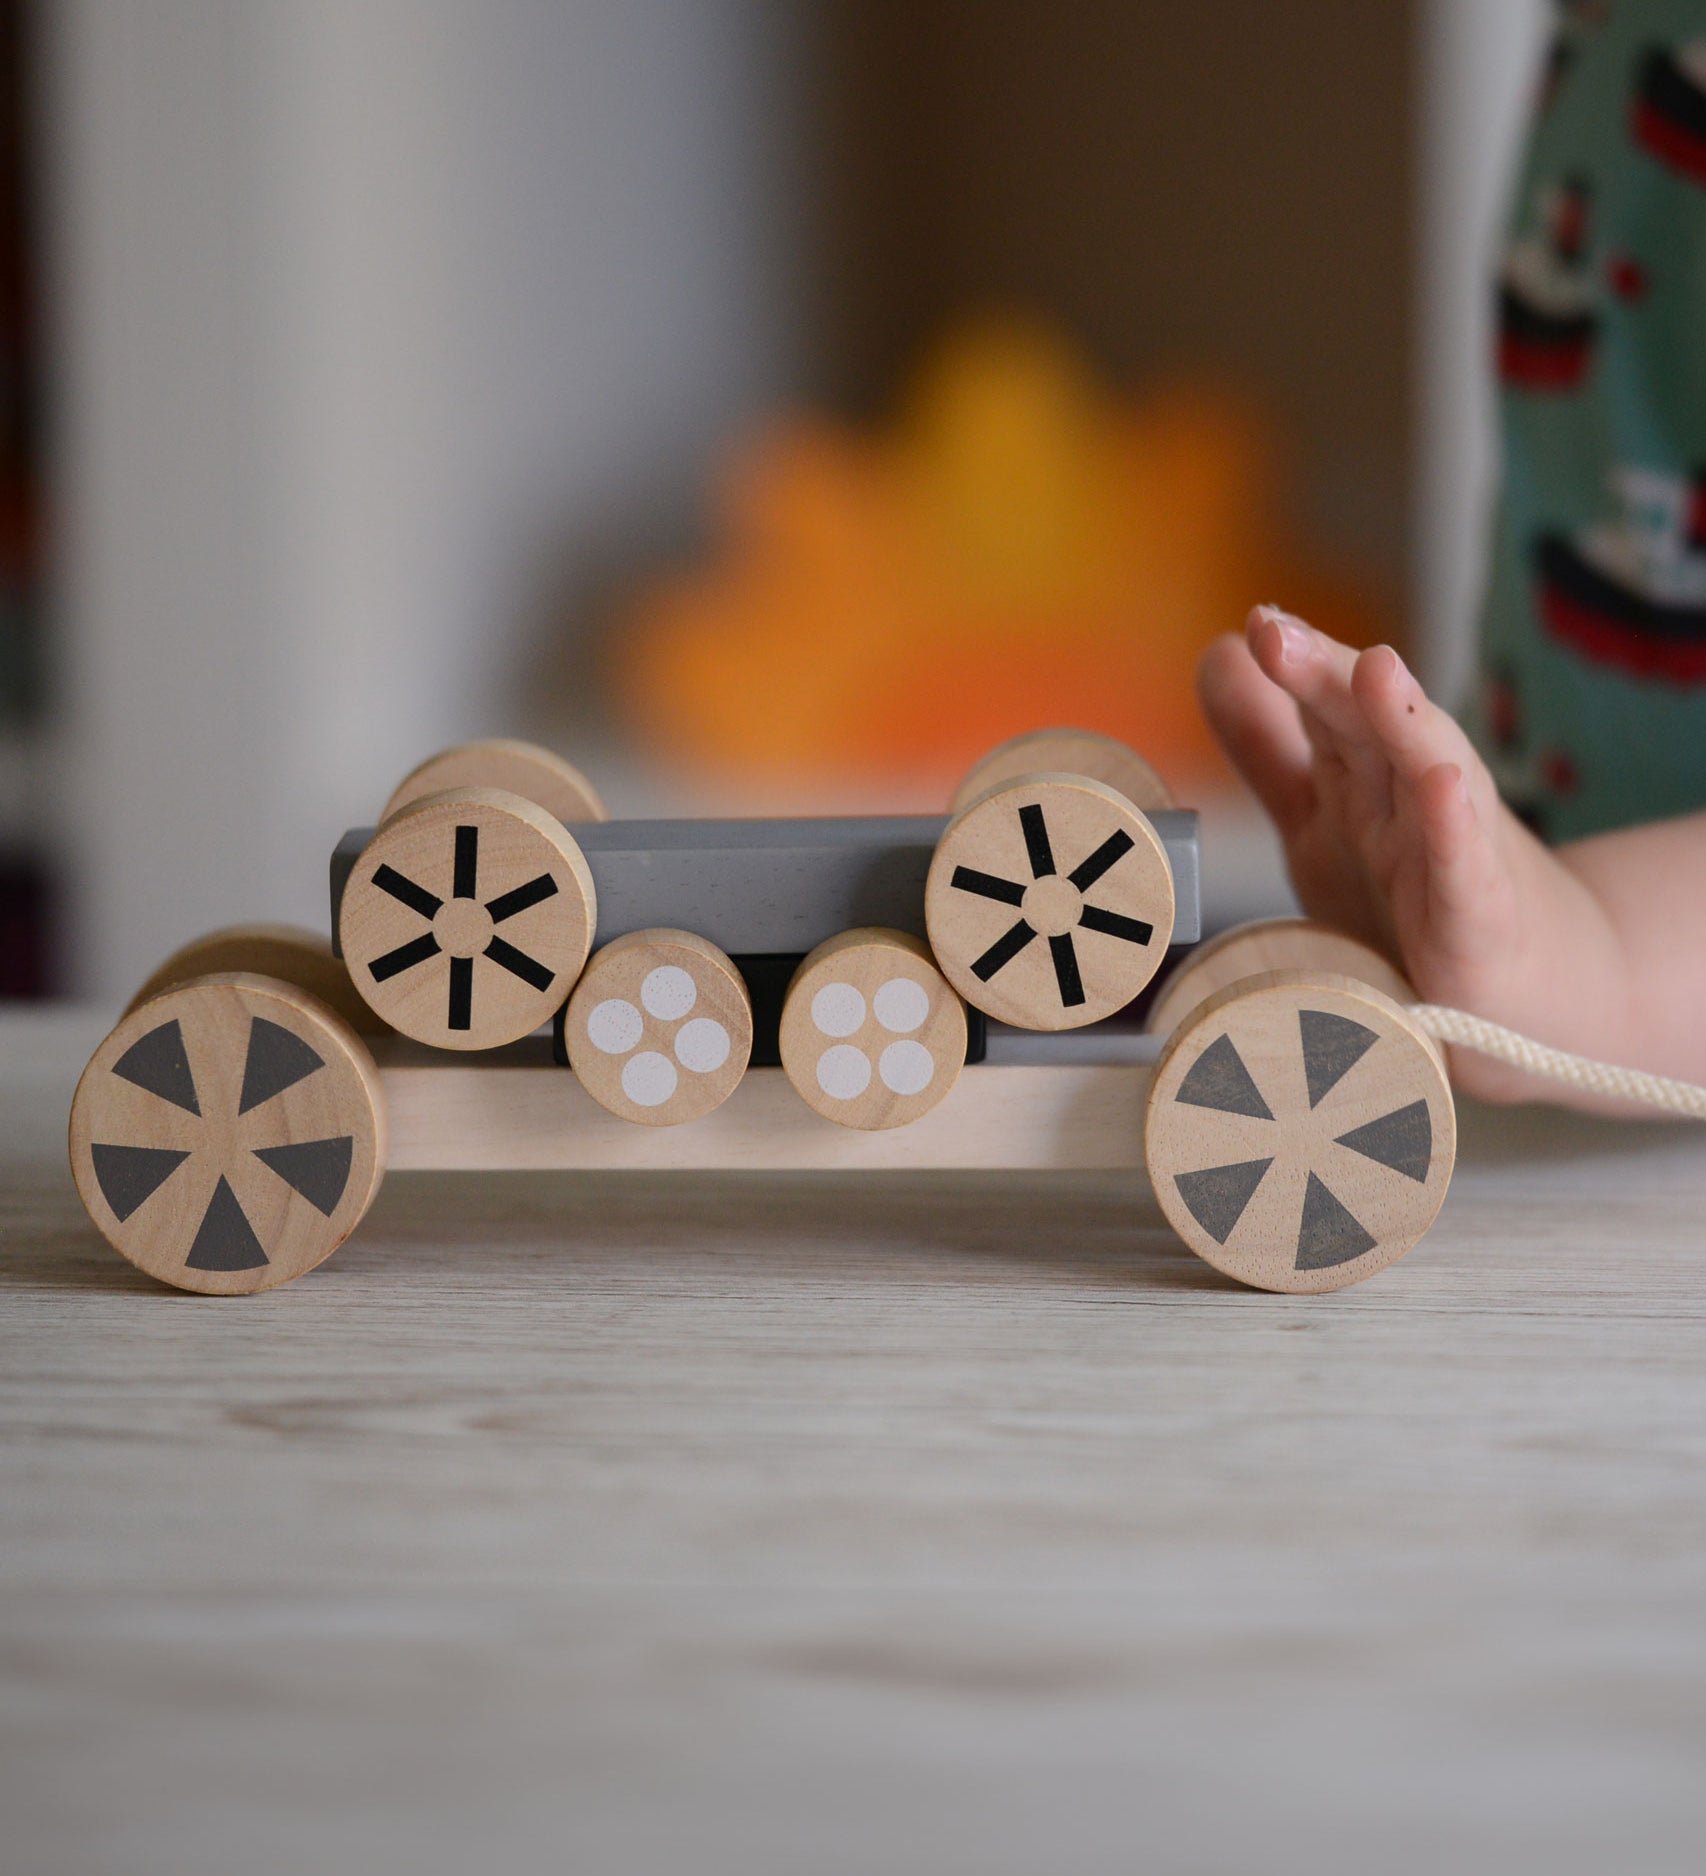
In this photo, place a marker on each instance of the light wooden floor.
(825, 1524)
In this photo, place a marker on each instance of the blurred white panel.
(371, 317)
(1479, 65)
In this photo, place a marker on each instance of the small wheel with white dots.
(1049, 902)
(468, 918)
(872, 1034)
(659, 1029)
(1300, 1131)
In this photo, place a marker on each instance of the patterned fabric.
(1592, 704)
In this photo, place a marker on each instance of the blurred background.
(769, 405)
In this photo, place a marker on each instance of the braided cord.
(1464, 1031)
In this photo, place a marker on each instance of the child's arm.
(1393, 830)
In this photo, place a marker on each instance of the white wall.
(367, 314)
(1479, 65)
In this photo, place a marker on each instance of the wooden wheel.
(1049, 902)
(537, 775)
(1270, 944)
(1066, 752)
(872, 1036)
(1300, 1131)
(291, 953)
(467, 918)
(659, 1029)
(229, 1134)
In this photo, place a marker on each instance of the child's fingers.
(1259, 728)
(1414, 732)
(1467, 882)
(1316, 671)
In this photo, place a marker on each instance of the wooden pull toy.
(873, 993)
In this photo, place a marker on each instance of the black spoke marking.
(1332, 1047)
(318, 1169)
(405, 957)
(277, 1060)
(1117, 845)
(467, 862)
(1004, 950)
(988, 886)
(461, 1011)
(416, 898)
(1403, 1140)
(1217, 1196)
(1329, 1235)
(1066, 970)
(1040, 852)
(507, 904)
(1136, 931)
(158, 1063)
(1036, 841)
(226, 1240)
(127, 1175)
(519, 964)
(1219, 1079)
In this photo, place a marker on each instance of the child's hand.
(1394, 831)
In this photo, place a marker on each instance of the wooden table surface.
(810, 1523)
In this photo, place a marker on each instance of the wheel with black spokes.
(1050, 902)
(468, 918)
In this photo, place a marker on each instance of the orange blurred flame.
(1022, 549)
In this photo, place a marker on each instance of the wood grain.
(538, 775)
(1066, 752)
(954, 1524)
(1269, 944)
(514, 1109)
(291, 953)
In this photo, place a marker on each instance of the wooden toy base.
(512, 1109)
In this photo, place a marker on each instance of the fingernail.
(1404, 673)
(1296, 638)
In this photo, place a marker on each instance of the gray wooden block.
(781, 886)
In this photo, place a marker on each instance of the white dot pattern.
(649, 1079)
(901, 1005)
(614, 1026)
(668, 993)
(702, 1045)
(906, 1067)
(838, 1009)
(664, 1046)
(844, 1072)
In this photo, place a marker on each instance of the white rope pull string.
(1464, 1031)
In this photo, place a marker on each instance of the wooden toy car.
(518, 981)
